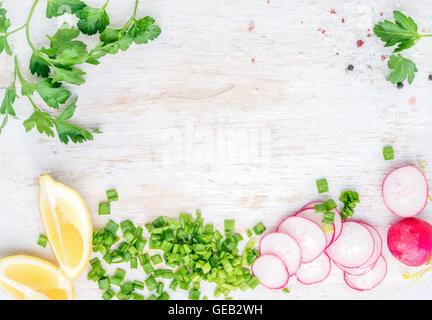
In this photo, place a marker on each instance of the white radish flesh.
(377, 248)
(405, 191)
(309, 213)
(359, 271)
(354, 247)
(307, 233)
(270, 271)
(285, 247)
(369, 280)
(315, 271)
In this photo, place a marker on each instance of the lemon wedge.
(67, 224)
(29, 278)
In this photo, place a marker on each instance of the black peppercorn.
(350, 67)
(400, 85)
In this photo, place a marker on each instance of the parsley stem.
(16, 30)
(27, 25)
(33, 104)
(106, 4)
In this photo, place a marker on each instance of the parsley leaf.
(67, 131)
(61, 44)
(57, 8)
(68, 112)
(4, 21)
(144, 30)
(8, 101)
(39, 66)
(42, 121)
(4, 45)
(69, 75)
(51, 92)
(402, 69)
(92, 20)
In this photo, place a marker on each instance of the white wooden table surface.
(236, 109)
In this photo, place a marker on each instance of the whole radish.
(410, 241)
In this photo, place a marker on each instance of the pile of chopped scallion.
(191, 250)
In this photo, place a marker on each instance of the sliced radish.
(307, 233)
(315, 271)
(311, 214)
(338, 224)
(354, 247)
(359, 271)
(405, 191)
(377, 248)
(369, 280)
(271, 271)
(285, 247)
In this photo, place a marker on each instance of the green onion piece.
(160, 287)
(322, 185)
(259, 228)
(108, 295)
(104, 283)
(229, 225)
(138, 285)
(164, 296)
(286, 290)
(127, 287)
(328, 217)
(194, 294)
(42, 241)
(330, 204)
(174, 285)
(136, 296)
(156, 259)
(104, 208)
(253, 282)
(249, 233)
(127, 225)
(322, 207)
(134, 263)
(112, 195)
(388, 153)
(151, 283)
(111, 226)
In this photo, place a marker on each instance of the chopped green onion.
(322, 185)
(138, 285)
(111, 226)
(194, 294)
(151, 283)
(164, 296)
(134, 263)
(249, 233)
(388, 153)
(42, 241)
(104, 208)
(127, 225)
(330, 204)
(108, 295)
(328, 217)
(229, 225)
(136, 296)
(127, 287)
(104, 283)
(112, 195)
(322, 207)
(259, 229)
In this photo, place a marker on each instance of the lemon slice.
(29, 278)
(67, 224)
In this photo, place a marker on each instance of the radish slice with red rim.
(354, 247)
(311, 205)
(271, 271)
(359, 271)
(369, 280)
(311, 214)
(377, 248)
(308, 234)
(405, 191)
(285, 247)
(315, 271)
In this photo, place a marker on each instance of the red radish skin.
(271, 271)
(369, 280)
(405, 191)
(285, 247)
(410, 241)
(378, 246)
(354, 247)
(307, 233)
(359, 271)
(316, 271)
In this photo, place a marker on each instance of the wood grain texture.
(236, 109)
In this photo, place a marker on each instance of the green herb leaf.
(144, 30)
(92, 20)
(4, 45)
(68, 112)
(57, 8)
(67, 131)
(42, 121)
(4, 21)
(39, 66)
(8, 101)
(52, 93)
(403, 31)
(70, 75)
(403, 69)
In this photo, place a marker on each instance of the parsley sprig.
(403, 34)
(59, 63)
